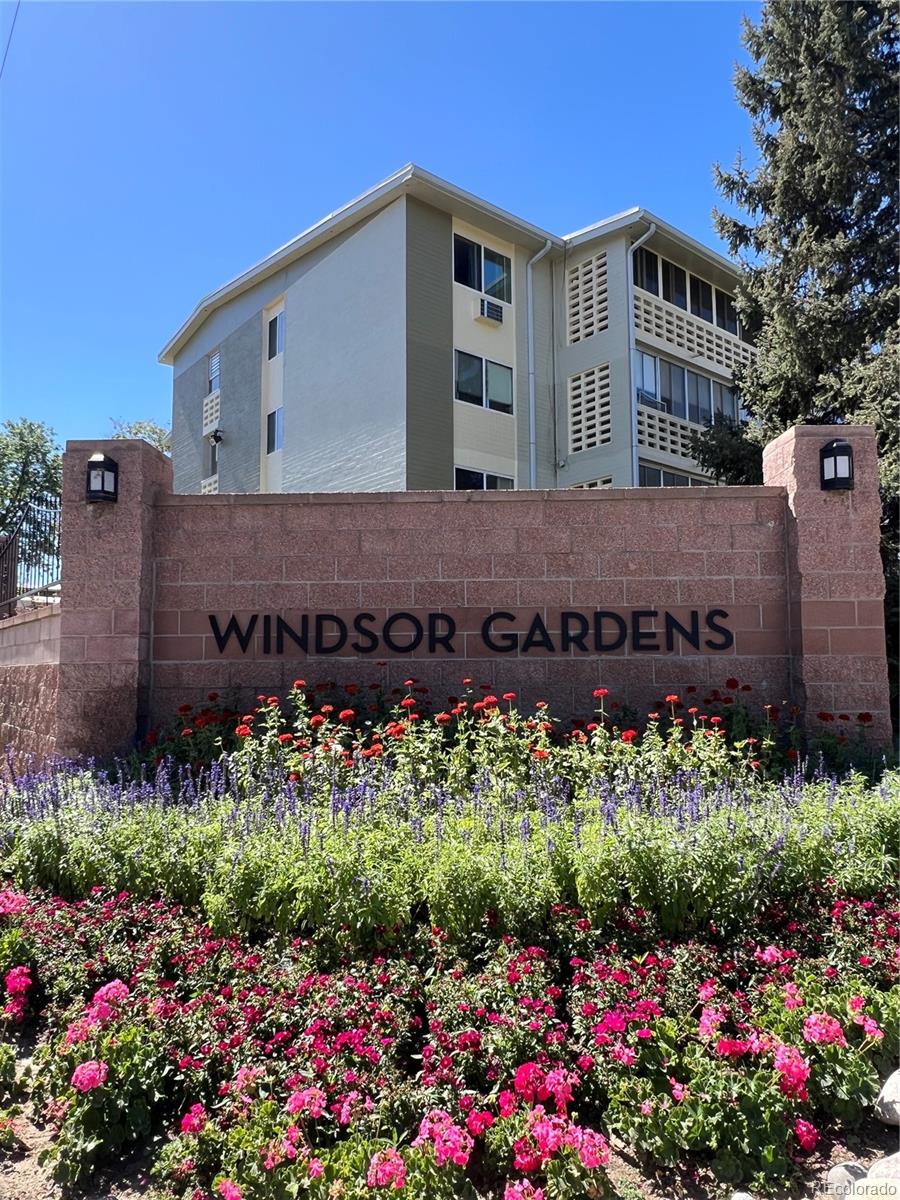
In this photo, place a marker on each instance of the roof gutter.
(532, 410)
(632, 349)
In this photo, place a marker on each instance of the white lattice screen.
(659, 431)
(590, 422)
(209, 486)
(671, 324)
(211, 411)
(588, 298)
(605, 482)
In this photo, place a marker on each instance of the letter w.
(233, 628)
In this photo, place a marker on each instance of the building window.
(671, 389)
(724, 402)
(482, 382)
(213, 373)
(646, 270)
(646, 379)
(699, 406)
(482, 269)
(701, 298)
(467, 262)
(276, 334)
(497, 276)
(275, 430)
(212, 458)
(674, 284)
(726, 313)
(657, 477)
(468, 480)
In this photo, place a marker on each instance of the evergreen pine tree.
(817, 236)
(819, 242)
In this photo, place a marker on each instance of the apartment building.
(421, 338)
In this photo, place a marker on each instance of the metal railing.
(29, 556)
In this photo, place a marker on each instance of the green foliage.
(726, 452)
(30, 471)
(818, 239)
(820, 244)
(148, 431)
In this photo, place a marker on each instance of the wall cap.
(558, 495)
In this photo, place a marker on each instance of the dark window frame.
(275, 430)
(642, 274)
(276, 335)
(484, 400)
(485, 476)
(477, 281)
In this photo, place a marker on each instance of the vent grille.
(668, 324)
(211, 411)
(605, 482)
(588, 298)
(491, 311)
(660, 431)
(209, 486)
(590, 420)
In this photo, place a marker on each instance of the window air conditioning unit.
(490, 311)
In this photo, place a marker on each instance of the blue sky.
(150, 152)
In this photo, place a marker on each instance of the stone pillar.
(107, 598)
(835, 579)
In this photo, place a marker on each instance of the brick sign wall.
(550, 594)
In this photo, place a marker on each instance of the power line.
(9, 39)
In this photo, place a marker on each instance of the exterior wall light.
(836, 460)
(215, 437)
(102, 481)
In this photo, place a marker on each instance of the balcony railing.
(671, 325)
(661, 431)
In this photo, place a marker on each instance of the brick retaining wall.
(29, 682)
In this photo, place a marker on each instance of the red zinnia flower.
(732, 684)
(599, 693)
(243, 731)
(628, 735)
(865, 718)
(346, 714)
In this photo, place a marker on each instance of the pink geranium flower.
(823, 1029)
(89, 1075)
(387, 1169)
(194, 1119)
(807, 1135)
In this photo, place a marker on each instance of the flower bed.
(454, 966)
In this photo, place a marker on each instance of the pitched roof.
(421, 184)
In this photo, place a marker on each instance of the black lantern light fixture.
(836, 460)
(102, 481)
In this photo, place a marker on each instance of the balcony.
(662, 432)
(666, 325)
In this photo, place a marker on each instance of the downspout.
(632, 348)
(532, 411)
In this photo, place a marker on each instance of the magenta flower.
(387, 1169)
(823, 1029)
(194, 1119)
(806, 1134)
(89, 1075)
